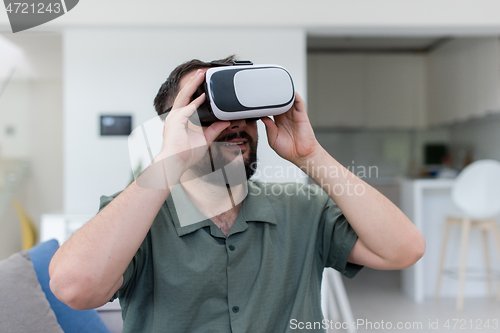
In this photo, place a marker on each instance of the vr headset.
(242, 90)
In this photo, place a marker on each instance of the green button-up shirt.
(265, 275)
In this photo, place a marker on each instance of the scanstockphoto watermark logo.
(25, 15)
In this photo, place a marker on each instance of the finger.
(214, 130)
(289, 113)
(188, 110)
(182, 115)
(184, 96)
(299, 103)
(271, 129)
(298, 98)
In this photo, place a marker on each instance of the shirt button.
(236, 309)
(231, 247)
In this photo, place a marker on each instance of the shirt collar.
(256, 208)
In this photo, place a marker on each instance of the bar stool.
(476, 192)
(334, 301)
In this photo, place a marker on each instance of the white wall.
(45, 182)
(121, 70)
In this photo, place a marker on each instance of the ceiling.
(373, 44)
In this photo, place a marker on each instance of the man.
(254, 266)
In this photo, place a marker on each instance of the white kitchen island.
(427, 202)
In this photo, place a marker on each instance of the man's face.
(240, 135)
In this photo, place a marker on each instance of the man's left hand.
(291, 134)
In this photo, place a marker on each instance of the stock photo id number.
(38, 8)
(25, 15)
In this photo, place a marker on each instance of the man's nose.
(237, 125)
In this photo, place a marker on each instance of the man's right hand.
(184, 143)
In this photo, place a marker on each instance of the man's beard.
(214, 160)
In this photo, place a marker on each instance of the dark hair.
(170, 88)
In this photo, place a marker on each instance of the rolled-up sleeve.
(337, 239)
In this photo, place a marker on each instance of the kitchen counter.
(416, 196)
(427, 202)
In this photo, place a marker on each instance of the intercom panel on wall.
(115, 125)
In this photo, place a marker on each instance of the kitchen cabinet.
(395, 95)
(336, 90)
(361, 90)
(463, 80)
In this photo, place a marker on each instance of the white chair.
(476, 192)
(334, 301)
